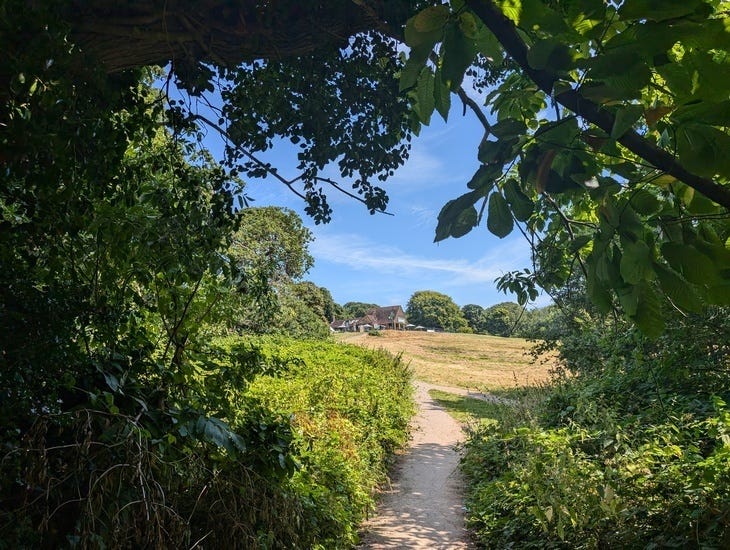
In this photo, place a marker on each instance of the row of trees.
(436, 310)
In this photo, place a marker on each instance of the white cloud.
(360, 254)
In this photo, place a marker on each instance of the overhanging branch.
(274, 173)
(505, 31)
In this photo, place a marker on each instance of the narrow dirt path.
(424, 506)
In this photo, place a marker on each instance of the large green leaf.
(522, 206)
(421, 44)
(441, 95)
(487, 44)
(648, 316)
(645, 202)
(459, 51)
(425, 96)
(508, 128)
(636, 262)
(692, 264)
(551, 53)
(704, 149)
(597, 291)
(559, 133)
(497, 152)
(464, 223)
(499, 219)
(482, 180)
(430, 19)
(677, 289)
(625, 118)
(457, 217)
(628, 297)
(658, 10)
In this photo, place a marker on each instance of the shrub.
(629, 449)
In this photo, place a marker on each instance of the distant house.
(339, 325)
(390, 317)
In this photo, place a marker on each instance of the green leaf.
(657, 10)
(414, 66)
(648, 316)
(464, 223)
(421, 44)
(645, 203)
(488, 45)
(425, 96)
(456, 218)
(552, 54)
(561, 133)
(522, 206)
(431, 19)
(497, 152)
(482, 180)
(508, 128)
(628, 297)
(692, 264)
(468, 24)
(579, 242)
(677, 289)
(625, 118)
(636, 262)
(704, 149)
(458, 55)
(599, 295)
(499, 220)
(441, 95)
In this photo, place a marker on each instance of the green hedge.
(268, 443)
(350, 409)
(629, 450)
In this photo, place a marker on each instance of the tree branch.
(505, 31)
(137, 33)
(273, 172)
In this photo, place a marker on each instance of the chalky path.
(423, 508)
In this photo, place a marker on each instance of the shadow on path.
(423, 508)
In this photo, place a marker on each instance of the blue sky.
(385, 259)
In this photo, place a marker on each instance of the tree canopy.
(610, 133)
(433, 309)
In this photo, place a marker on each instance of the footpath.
(423, 508)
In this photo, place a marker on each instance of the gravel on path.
(423, 508)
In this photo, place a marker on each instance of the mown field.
(471, 361)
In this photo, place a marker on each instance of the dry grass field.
(471, 361)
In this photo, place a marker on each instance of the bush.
(629, 449)
(350, 410)
(291, 462)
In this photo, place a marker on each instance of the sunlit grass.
(509, 407)
(473, 361)
(467, 409)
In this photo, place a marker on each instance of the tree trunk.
(123, 35)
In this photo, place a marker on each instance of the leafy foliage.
(123, 423)
(612, 182)
(630, 449)
(350, 409)
(353, 310)
(435, 310)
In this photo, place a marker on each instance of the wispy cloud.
(357, 253)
